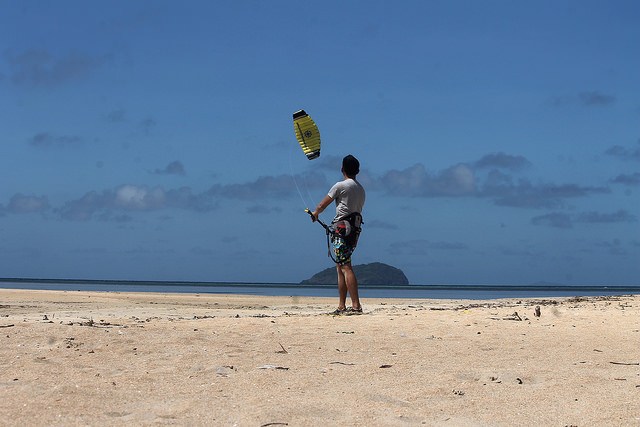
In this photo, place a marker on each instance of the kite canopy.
(307, 134)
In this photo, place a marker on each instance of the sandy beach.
(91, 358)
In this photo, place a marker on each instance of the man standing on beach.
(349, 197)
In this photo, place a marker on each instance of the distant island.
(375, 273)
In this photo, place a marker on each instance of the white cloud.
(39, 67)
(415, 181)
(130, 197)
(625, 153)
(48, 140)
(566, 221)
(502, 161)
(20, 204)
(174, 168)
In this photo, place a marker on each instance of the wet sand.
(94, 358)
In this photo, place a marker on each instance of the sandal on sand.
(353, 311)
(338, 311)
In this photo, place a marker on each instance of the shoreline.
(396, 292)
(108, 358)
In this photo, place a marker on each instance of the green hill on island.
(375, 273)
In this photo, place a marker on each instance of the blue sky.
(499, 140)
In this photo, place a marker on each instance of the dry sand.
(93, 358)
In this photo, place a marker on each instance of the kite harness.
(347, 228)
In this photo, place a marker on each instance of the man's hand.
(313, 215)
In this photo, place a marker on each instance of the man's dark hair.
(350, 166)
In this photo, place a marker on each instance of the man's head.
(350, 166)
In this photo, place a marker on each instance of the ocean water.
(479, 292)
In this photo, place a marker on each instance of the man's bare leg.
(351, 284)
(342, 289)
